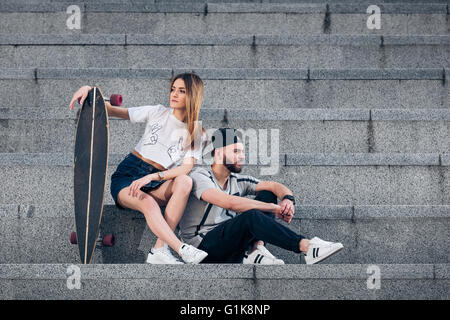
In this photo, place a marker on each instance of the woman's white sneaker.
(191, 254)
(319, 250)
(162, 256)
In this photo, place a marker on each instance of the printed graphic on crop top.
(164, 136)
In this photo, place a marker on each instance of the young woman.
(156, 172)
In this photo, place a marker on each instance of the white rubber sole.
(275, 262)
(152, 260)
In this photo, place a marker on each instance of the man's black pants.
(228, 242)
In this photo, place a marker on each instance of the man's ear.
(218, 155)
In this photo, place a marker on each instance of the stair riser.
(238, 94)
(231, 281)
(57, 136)
(315, 185)
(368, 240)
(238, 56)
(234, 289)
(220, 23)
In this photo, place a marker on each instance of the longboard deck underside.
(90, 171)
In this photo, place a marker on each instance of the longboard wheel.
(108, 240)
(73, 238)
(116, 99)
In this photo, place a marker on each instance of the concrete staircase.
(362, 117)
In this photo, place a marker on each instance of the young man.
(219, 220)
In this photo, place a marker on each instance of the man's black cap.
(223, 137)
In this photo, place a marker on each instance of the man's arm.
(276, 188)
(287, 206)
(235, 203)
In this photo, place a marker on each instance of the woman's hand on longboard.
(80, 95)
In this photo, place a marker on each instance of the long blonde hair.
(194, 97)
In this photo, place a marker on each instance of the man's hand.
(275, 209)
(278, 212)
(287, 210)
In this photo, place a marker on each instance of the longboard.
(90, 173)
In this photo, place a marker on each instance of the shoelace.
(321, 242)
(266, 252)
(192, 251)
(189, 250)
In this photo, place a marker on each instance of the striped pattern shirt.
(201, 217)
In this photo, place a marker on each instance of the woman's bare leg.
(175, 193)
(149, 207)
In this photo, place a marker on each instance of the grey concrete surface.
(280, 282)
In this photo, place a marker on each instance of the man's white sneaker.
(263, 250)
(191, 254)
(257, 257)
(162, 256)
(318, 240)
(319, 250)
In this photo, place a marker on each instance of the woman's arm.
(118, 112)
(82, 93)
(182, 169)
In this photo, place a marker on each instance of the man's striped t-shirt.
(200, 217)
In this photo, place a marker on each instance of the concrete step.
(129, 2)
(229, 88)
(370, 234)
(235, 18)
(336, 179)
(221, 51)
(52, 130)
(231, 282)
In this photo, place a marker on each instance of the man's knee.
(254, 216)
(251, 215)
(266, 196)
